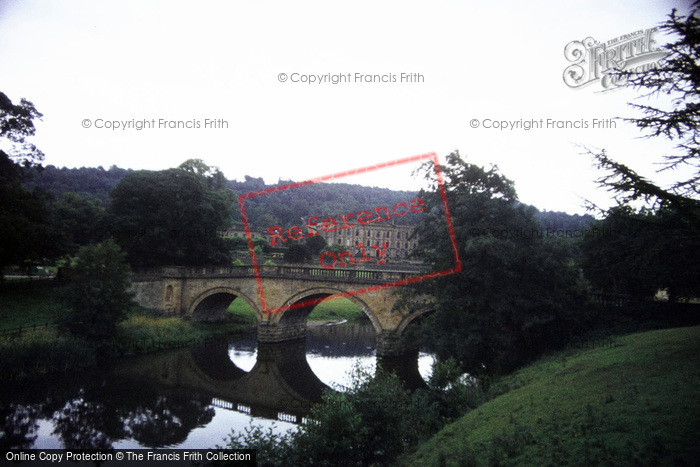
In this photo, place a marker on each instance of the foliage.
(143, 333)
(271, 448)
(334, 434)
(515, 293)
(634, 403)
(22, 213)
(171, 217)
(286, 207)
(315, 245)
(34, 303)
(214, 176)
(638, 253)
(76, 220)
(90, 182)
(23, 217)
(16, 125)
(43, 351)
(656, 247)
(454, 393)
(678, 75)
(97, 293)
(297, 253)
(372, 422)
(334, 248)
(97, 182)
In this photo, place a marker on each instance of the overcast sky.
(88, 63)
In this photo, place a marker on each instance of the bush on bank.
(41, 352)
(372, 422)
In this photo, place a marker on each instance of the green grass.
(637, 403)
(42, 351)
(241, 312)
(336, 308)
(49, 349)
(25, 303)
(331, 309)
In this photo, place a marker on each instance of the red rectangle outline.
(367, 169)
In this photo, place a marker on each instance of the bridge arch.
(423, 312)
(211, 305)
(315, 295)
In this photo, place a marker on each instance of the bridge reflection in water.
(280, 386)
(172, 398)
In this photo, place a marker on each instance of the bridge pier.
(281, 332)
(390, 344)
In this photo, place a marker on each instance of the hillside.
(286, 207)
(634, 402)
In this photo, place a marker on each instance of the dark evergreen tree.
(678, 76)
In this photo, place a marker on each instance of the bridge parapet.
(345, 275)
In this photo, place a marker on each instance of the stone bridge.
(292, 292)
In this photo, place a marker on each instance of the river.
(191, 398)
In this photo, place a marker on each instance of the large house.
(397, 236)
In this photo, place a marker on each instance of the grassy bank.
(634, 403)
(332, 309)
(26, 303)
(50, 348)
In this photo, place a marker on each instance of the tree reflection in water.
(19, 427)
(168, 419)
(158, 400)
(95, 416)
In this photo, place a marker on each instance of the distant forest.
(287, 207)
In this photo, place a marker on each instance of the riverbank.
(636, 402)
(31, 341)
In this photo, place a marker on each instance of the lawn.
(635, 403)
(331, 309)
(26, 303)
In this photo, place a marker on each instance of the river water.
(191, 398)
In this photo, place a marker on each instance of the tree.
(23, 216)
(678, 75)
(171, 217)
(97, 294)
(297, 253)
(316, 244)
(656, 246)
(514, 295)
(22, 213)
(16, 126)
(638, 253)
(75, 221)
(214, 176)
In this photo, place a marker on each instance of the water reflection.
(188, 398)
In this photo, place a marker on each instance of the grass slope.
(637, 403)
